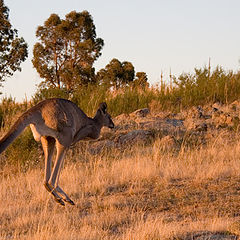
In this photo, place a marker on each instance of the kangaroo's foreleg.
(85, 132)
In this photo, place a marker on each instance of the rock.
(223, 120)
(195, 112)
(124, 122)
(121, 118)
(163, 126)
(140, 113)
(195, 124)
(210, 236)
(100, 146)
(217, 105)
(235, 106)
(135, 136)
(121, 141)
(202, 127)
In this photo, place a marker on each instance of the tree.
(13, 50)
(141, 80)
(67, 49)
(116, 74)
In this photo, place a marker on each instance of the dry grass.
(143, 193)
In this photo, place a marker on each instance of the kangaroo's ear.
(103, 107)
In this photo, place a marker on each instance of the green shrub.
(89, 97)
(130, 99)
(45, 93)
(9, 109)
(205, 87)
(189, 89)
(23, 152)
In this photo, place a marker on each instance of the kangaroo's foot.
(51, 189)
(65, 197)
(55, 192)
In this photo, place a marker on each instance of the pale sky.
(155, 35)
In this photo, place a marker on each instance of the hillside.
(158, 175)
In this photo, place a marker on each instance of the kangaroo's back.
(59, 113)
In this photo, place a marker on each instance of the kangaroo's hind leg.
(54, 179)
(48, 144)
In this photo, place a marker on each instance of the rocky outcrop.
(209, 236)
(193, 126)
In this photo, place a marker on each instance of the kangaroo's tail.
(23, 121)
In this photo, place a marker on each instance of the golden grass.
(144, 193)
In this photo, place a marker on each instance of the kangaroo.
(58, 123)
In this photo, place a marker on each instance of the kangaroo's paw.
(69, 201)
(51, 189)
(59, 200)
(65, 197)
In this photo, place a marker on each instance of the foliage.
(205, 86)
(141, 80)
(9, 109)
(23, 152)
(51, 92)
(116, 74)
(191, 89)
(90, 96)
(13, 50)
(129, 100)
(66, 50)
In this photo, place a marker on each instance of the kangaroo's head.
(105, 116)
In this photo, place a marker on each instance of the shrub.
(45, 93)
(23, 152)
(198, 88)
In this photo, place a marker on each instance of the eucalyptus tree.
(66, 50)
(141, 80)
(13, 50)
(116, 74)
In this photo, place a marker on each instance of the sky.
(156, 36)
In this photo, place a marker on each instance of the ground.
(156, 176)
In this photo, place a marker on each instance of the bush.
(205, 86)
(9, 109)
(45, 93)
(89, 97)
(198, 88)
(23, 152)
